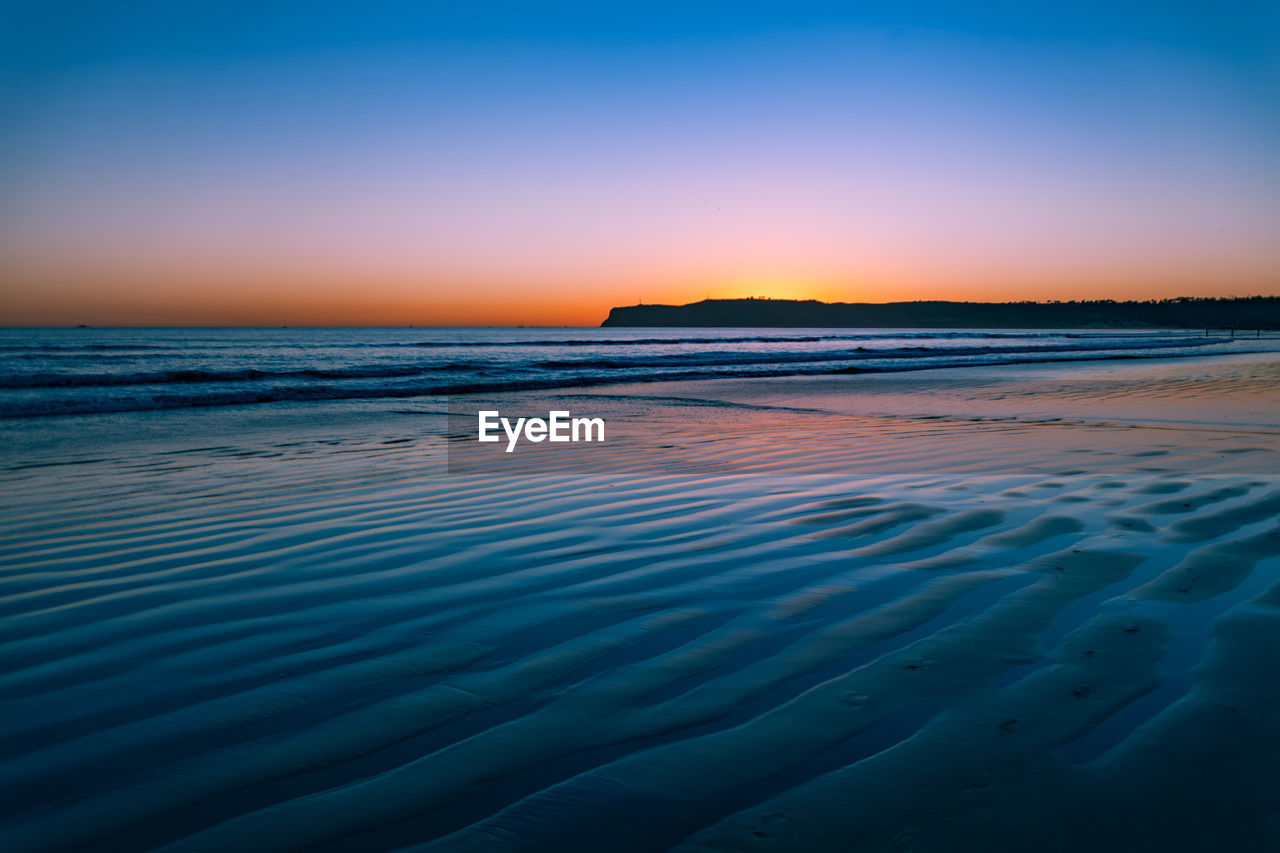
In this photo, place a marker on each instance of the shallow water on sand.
(913, 630)
(58, 372)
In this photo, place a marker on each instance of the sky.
(501, 163)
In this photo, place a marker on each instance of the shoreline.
(925, 393)
(312, 634)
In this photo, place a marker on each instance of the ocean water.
(243, 605)
(61, 372)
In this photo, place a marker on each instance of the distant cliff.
(1252, 312)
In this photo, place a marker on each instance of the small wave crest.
(72, 395)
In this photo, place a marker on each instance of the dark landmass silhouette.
(1252, 312)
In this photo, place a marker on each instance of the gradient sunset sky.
(536, 163)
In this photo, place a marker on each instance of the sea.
(83, 371)
(247, 604)
(72, 395)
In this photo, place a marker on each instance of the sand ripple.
(355, 652)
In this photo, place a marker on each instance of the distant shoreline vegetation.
(1185, 312)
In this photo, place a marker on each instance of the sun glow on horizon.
(778, 287)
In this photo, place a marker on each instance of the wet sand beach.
(1014, 608)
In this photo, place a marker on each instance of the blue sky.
(170, 157)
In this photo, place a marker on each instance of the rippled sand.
(1018, 610)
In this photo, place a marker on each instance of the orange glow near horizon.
(395, 260)
(240, 298)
